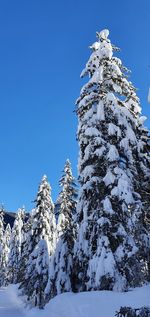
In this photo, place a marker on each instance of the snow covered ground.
(10, 303)
(88, 304)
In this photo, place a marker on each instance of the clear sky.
(43, 48)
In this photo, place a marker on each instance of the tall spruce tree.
(106, 252)
(61, 263)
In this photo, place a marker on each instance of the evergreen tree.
(57, 208)
(43, 227)
(144, 168)
(25, 251)
(61, 263)
(7, 237)
(1, 234)
(37, 273)
(2, 253)
(67, 198)
(143, 188)
(15, 248)
(106, 252)
(43, 218)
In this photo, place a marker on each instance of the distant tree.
(25, 251)
(7, 237)
(15, 248)
(2, 243)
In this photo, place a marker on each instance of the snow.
(10, 304)
(88, 171)
(89, 304)
(104, 34)
(107, 206)
(97, 76)
(131, 135)
(111, 97)
(123, 190)
(105, 263)
(109, 178)
(142, 119)
(113, 129)
(113, 154)
(97, 304)
(92, 132)
(100, 111)
(95, 46)
(100, 151)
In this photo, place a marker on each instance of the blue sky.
(43, 48)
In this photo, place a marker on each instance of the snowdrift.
(93, 304)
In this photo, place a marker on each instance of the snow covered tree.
(37, 273)
(67, 198)
(7, 237)
(15, 248)
(61, 263)
(143, 166)
(143, 188)
(25, 251)
(1, 233)
(106, 252)
(57, 208)
(2, 253)
(61, 266)
(43, 227)
(43, 218)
